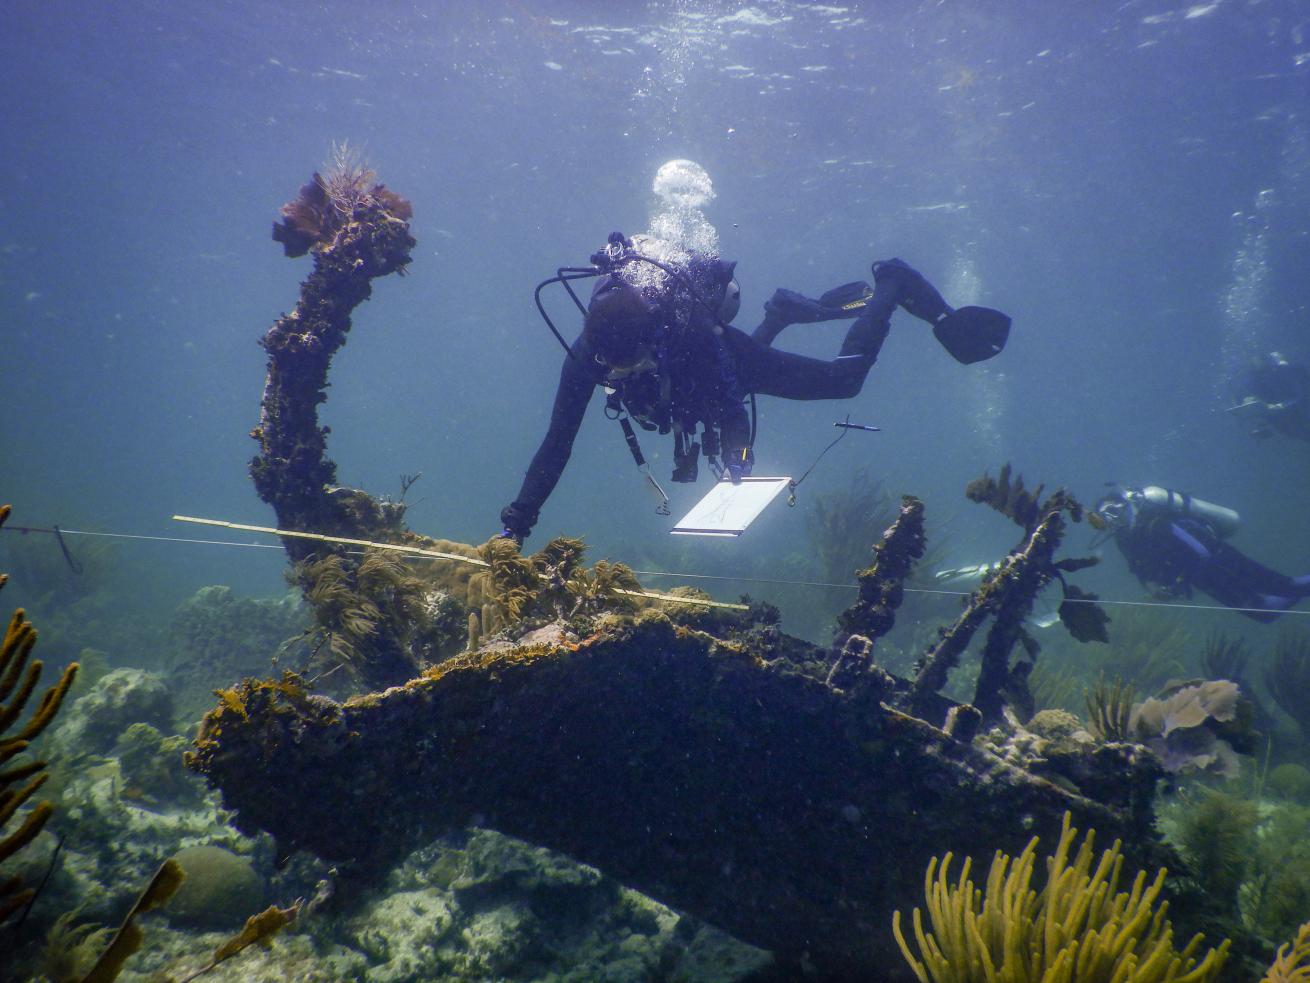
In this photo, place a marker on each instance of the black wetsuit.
(1184, 553)
(706, 371)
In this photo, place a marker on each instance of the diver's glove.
(739, 465)
(913, 291)
(518, 522)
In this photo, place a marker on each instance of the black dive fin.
(848, 297)
(973, 334)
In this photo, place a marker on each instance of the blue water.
(1130, 182)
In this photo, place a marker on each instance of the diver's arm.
(1190, 535)
(576, 384)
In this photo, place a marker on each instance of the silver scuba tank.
(1225, 521)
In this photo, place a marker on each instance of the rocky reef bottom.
(471, 905)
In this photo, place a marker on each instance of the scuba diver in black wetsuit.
(1278, 397)
(656, 336)
(1176, 543)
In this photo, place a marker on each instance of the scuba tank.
(1153, 498)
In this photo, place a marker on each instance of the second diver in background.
(1177, 544)
(1277, 397)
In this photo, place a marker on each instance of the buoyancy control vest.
(694, 382)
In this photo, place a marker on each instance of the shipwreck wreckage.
(791, 795)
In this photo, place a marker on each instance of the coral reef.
(664, 755)
(20, 779)
(152, 769)
(1054, 746)
(1078, 927)
(98, 717)
(552, 584)
(478, 905)
(660, 755)
(376, 616)
(220, 889)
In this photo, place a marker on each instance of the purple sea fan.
(1182, 726)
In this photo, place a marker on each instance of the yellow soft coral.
(19, 675)
(1293, 962)
(1078, 929)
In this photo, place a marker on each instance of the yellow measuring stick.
(420, 551)
(415, 550)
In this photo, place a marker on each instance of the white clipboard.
(729, 509)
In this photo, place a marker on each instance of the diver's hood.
(731, 301)
(619, 318)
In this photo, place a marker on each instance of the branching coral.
(377, 616)
(1293, 962)
(507, 588)
(19, 676)
(553, 583)
(1078, 927)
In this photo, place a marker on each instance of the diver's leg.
(771, 372)
(913, 292)
(895, 282)
(787, 307)
(1287, 594)
(1238, 581)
